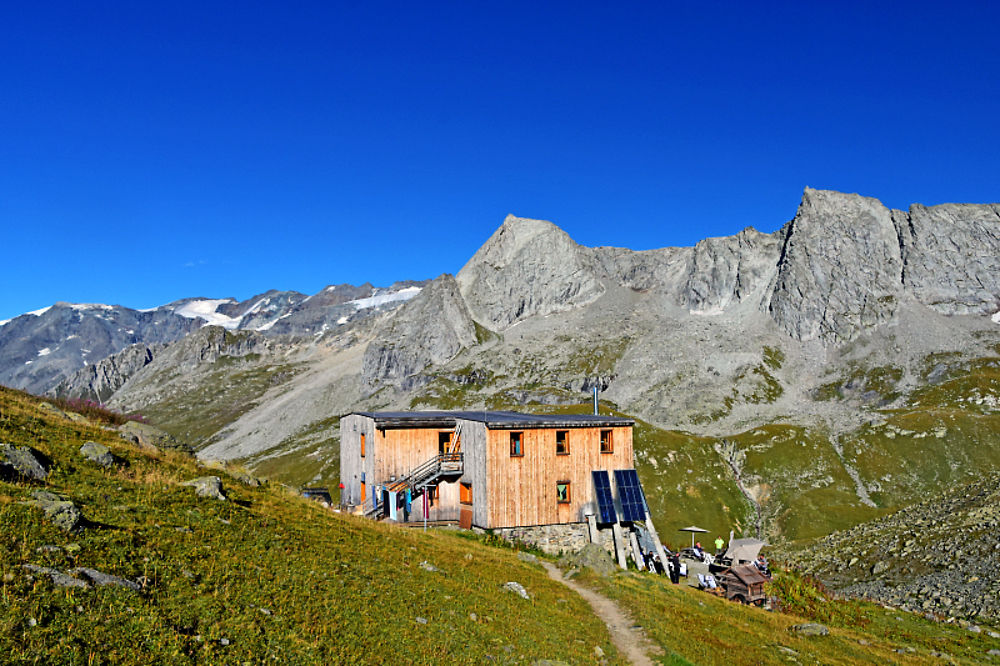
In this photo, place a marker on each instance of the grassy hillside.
(263, 577)
(694, 627)
(266, 577)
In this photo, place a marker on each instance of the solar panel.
(630, 495)
(605, 502)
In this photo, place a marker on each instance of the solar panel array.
(605, 502)
(630, 495)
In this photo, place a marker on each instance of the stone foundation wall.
(557, 539)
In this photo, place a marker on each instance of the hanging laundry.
(393, 509)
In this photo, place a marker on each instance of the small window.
(516, 447)
(444, 442)
(362, 445)
(562, 442)
(465, 493)
(562, 492)
(607, 446)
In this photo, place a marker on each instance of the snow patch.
(381, 299)
(711, 312)
(39, 313)
(45, 351)
(342, 321)
(996, 318)
(207, 310)
(91, 306)
(268, 325)
(3, 321)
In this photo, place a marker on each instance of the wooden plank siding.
(522, 490)
(390, 454)
(507, 491)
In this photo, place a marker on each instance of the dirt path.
(630, 640)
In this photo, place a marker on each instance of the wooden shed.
(744, 583)
(479, 468)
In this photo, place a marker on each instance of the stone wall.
(557, 539)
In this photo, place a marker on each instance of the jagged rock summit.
(527, 267)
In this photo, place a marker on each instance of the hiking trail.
(628, 637)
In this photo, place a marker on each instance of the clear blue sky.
(152, 151)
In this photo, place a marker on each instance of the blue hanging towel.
(393, 511)
(409, 501)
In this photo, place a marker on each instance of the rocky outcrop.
(951, 256)
(100, 380)
(207, 486)
(722, 272)
(430, 329)
(38, 350)
(152, 438)
(60, 511)
(940, 556)
(527, 267)
(98, 454)
(22, 463)
(840, 270)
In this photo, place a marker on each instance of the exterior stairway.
(428, 474)
(448, 464)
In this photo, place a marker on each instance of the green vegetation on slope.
(695, 627)
(220, 397)
(263, 577)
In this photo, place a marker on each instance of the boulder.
(593, 557)
(97, 454)
(207, 486)
(810, 629)
(100, 579)
(58, 510)
(22, 463)
(59, 579)
(152, 438)
(516, 588)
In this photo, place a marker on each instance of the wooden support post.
(619, 545)
(592, 529)
(640, 564)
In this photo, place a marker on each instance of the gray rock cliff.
(840, 270)
(951, 256)
(100, 380)
(430, 329)
(527, 267)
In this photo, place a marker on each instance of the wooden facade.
(518, 470)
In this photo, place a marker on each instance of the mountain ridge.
(776, 370)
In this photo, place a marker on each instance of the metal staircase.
(429, 473)
(419, 479)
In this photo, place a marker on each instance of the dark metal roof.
(493, 420)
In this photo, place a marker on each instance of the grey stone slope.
(941, 555)
(99, 381)
(40, 350)
(841, 267)
(37, 351)
(429, 330)
(526, 268)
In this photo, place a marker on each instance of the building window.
(562, 442)
(465, 493)
(562, 492)
(362, 445)
(607, 446)
(516, 444)
(444, 442)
